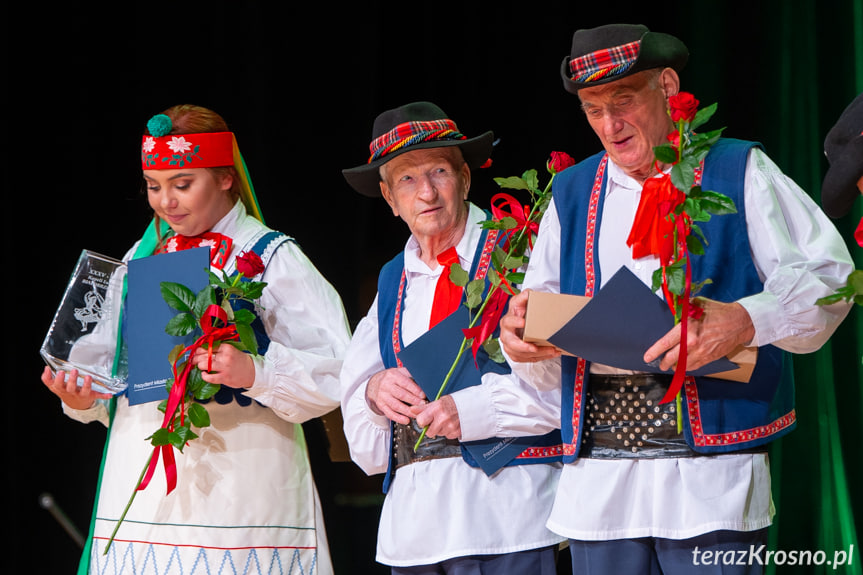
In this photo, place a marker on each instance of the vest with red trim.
(265, 246)
(391, 288)
(720, 416)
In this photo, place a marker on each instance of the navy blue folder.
(147, 314)
(619, 324)
(429, 358)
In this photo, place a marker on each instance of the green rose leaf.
(181, 436)
(161, 437)
(531, 177)
(512, 183)
(717, 204)
(513, 262)
(516, 278)
(493, 349)
(207, 390)
(665, 154)
(198, 415)
(178, 296)
(247, 337)
(676, 276)
(855, 281)
(204, 299)
(253, 290)
(458, 276)
(694, 245)
(181, 324)
(474, 291)
(703, 115)
(656, 282)
(245, 316)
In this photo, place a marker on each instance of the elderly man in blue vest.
(442, 513)
(636, 495)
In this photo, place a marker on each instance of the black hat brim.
(839, 187)
(365, 179)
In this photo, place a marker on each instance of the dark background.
(300, 85)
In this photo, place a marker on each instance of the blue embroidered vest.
(391, 287)
(265, 247)
(720, 416)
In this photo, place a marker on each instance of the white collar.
(465, 247)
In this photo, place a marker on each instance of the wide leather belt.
(625, 419)
(405, 437)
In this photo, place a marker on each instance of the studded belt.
(405, 437)
(625, 419)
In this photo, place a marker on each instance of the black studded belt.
(625, 419)
(405, 437)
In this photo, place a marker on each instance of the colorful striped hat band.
(604, 63)
(412, 133)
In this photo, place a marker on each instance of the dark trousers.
(533, 562)
(715, 553)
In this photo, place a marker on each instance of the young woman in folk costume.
(245, 496)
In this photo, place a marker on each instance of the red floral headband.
(205, 150)
(603, 63)
(411, 133)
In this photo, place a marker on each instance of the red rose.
(249, 264)
(674, 139)
(559, 161)
(683, 107)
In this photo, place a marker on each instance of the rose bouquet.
(211, 312)
(519, 225)
(666, 221)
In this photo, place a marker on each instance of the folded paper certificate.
(429, 358)
(619, 323)
(147, 314)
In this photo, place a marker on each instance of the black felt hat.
(843, 147)
(614, 51)
(414, 126)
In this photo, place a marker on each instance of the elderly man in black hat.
(636, 495)
(442, 513)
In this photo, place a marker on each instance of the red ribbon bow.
(652, 230)
(213, 322)
(510, 207)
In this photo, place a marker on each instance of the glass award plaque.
(83, 334)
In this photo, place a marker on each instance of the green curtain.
(799, 63)
(817, 59)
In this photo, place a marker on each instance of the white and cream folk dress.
(245, 500)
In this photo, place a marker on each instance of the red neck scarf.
(447, 295)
